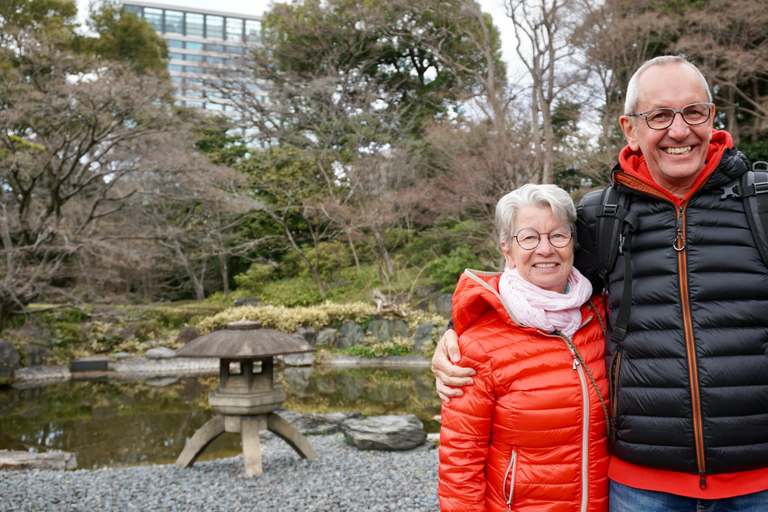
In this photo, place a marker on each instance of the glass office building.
(202, 45)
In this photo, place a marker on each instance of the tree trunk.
(354, 252)
(224, 274)
(196, 283)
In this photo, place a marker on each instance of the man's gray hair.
(630, 103)
(533, 195)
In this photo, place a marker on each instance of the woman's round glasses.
(529, 239)
(662, 118)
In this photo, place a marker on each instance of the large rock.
(350, 334)
(308, 334)
(326, 337)
(187, 334)
(160, 353)
(34, 354)
(445, 304)
(9, 362)
(27, 460)
(318, 424)
(389, 433)
(305, 359)
(385, 330)
(422, 337)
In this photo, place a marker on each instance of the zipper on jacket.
(512, 467)
(584, 432)
(690, 346)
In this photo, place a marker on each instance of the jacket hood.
(476, 293)
(724, 163)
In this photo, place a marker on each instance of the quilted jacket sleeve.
(465, 436)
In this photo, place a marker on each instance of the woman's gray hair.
(630, 103)
(533, 195)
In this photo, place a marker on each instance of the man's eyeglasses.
(529, 239)
(662, 118)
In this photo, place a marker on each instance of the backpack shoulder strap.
(754, 193)
(615, 225)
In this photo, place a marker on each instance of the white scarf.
(544, 309)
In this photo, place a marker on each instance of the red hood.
(476, 293)
(633, 163)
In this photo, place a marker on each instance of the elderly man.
(689, 378)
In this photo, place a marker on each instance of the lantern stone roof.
(244, 339)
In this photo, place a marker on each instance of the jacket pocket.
(508, 484)
(613, 392)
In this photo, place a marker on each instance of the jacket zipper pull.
(703, 481)
(575, 362)
(679, 243)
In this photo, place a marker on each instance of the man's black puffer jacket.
(690, 380)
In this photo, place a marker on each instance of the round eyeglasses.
(662, 118)
(529, 239)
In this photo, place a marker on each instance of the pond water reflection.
(117, 423)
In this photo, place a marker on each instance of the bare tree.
(71, 132)
(544, 29)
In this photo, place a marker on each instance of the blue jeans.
(629, 499)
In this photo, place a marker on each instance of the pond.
(122, 423)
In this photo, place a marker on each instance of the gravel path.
(343, 479)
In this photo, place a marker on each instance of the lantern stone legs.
(246, 403)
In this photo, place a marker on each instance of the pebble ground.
(343, 479)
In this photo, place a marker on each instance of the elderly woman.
(531, 433)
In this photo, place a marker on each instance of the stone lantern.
(246, 397)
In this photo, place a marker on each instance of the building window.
(252, 29)
(214, 106)
(195, 104)
(214, 47)
(235, 49)
(214, 60)
(234, 29)
(198, 58)
(172, 43)
(174, 21)
(177, 79)
(154, 17)
(193, 69)
(175, 56)
(134, 9)
(194, 46)
(214, 27)
(175, 68)
(194, 24)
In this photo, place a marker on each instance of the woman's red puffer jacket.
(530, 434)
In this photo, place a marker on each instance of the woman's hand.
(446, 373)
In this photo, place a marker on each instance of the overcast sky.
(494, 7)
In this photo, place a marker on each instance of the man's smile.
(678, 151)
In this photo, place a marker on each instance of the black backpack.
(616, 224)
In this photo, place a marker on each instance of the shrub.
(253, 279)
(447, 269)
(289, 319)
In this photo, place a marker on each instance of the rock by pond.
(350, 334)
(387, 432)
(385, 330)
